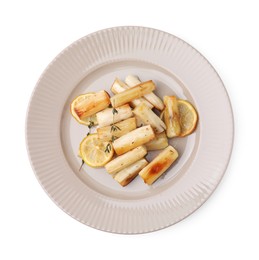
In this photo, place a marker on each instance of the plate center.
(72, 132)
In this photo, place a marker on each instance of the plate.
(91, 195)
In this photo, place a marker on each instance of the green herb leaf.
(114, 138)
(91, 124)
(108, 148)
(114, 111)
(115, 128)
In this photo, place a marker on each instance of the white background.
(32, 33)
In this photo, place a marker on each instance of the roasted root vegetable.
(148, 117)
(132, 93)
(171, 117)
(121, 128)
(133, 139)
(132, 80)
(87, 105)
(121, 162)
(125, 176)
(110, 116)
(150, 97)
(159, 165)
(159, 142)
(139, 121)
(119, 86)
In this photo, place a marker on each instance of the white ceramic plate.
(91, 195)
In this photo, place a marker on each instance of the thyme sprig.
(113, 138)
(114, 111)
(108, 148)
(114, 128)
(91, 124)
(82, 163)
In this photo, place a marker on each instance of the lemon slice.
(188, 117)
(87, 120)
(94, 151)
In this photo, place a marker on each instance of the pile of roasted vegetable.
(129, 124)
